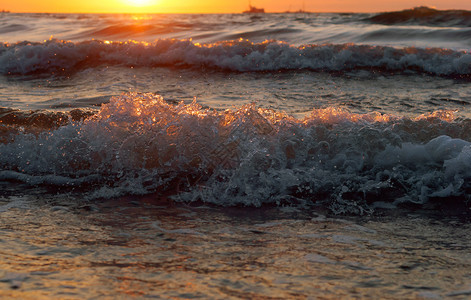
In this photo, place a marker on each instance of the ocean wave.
(351, 163)
(56, 56)
(8, 28)
(42, 119)
(13, 121)
(391, 34)
(424, 16)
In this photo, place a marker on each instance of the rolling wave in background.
(67, 57)
(424, 15)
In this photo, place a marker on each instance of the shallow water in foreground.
(148, 247)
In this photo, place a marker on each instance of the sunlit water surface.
(150, 248)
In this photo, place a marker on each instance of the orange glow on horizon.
(216, 6)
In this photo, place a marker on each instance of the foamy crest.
(138, 143)
(60, 56)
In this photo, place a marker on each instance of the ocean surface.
(228, 156)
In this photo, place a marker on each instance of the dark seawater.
(235, 156)
(423, 15)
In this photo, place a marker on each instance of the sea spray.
(139, 143)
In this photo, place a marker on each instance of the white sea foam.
(138, 143)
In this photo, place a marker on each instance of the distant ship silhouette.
(254, 10)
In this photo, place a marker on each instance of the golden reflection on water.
(136, 247)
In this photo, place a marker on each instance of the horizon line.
(213, 13)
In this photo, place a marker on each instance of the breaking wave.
(56, 56)
(351, 163)
(423, 15)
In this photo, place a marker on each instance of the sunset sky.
(217, 6)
